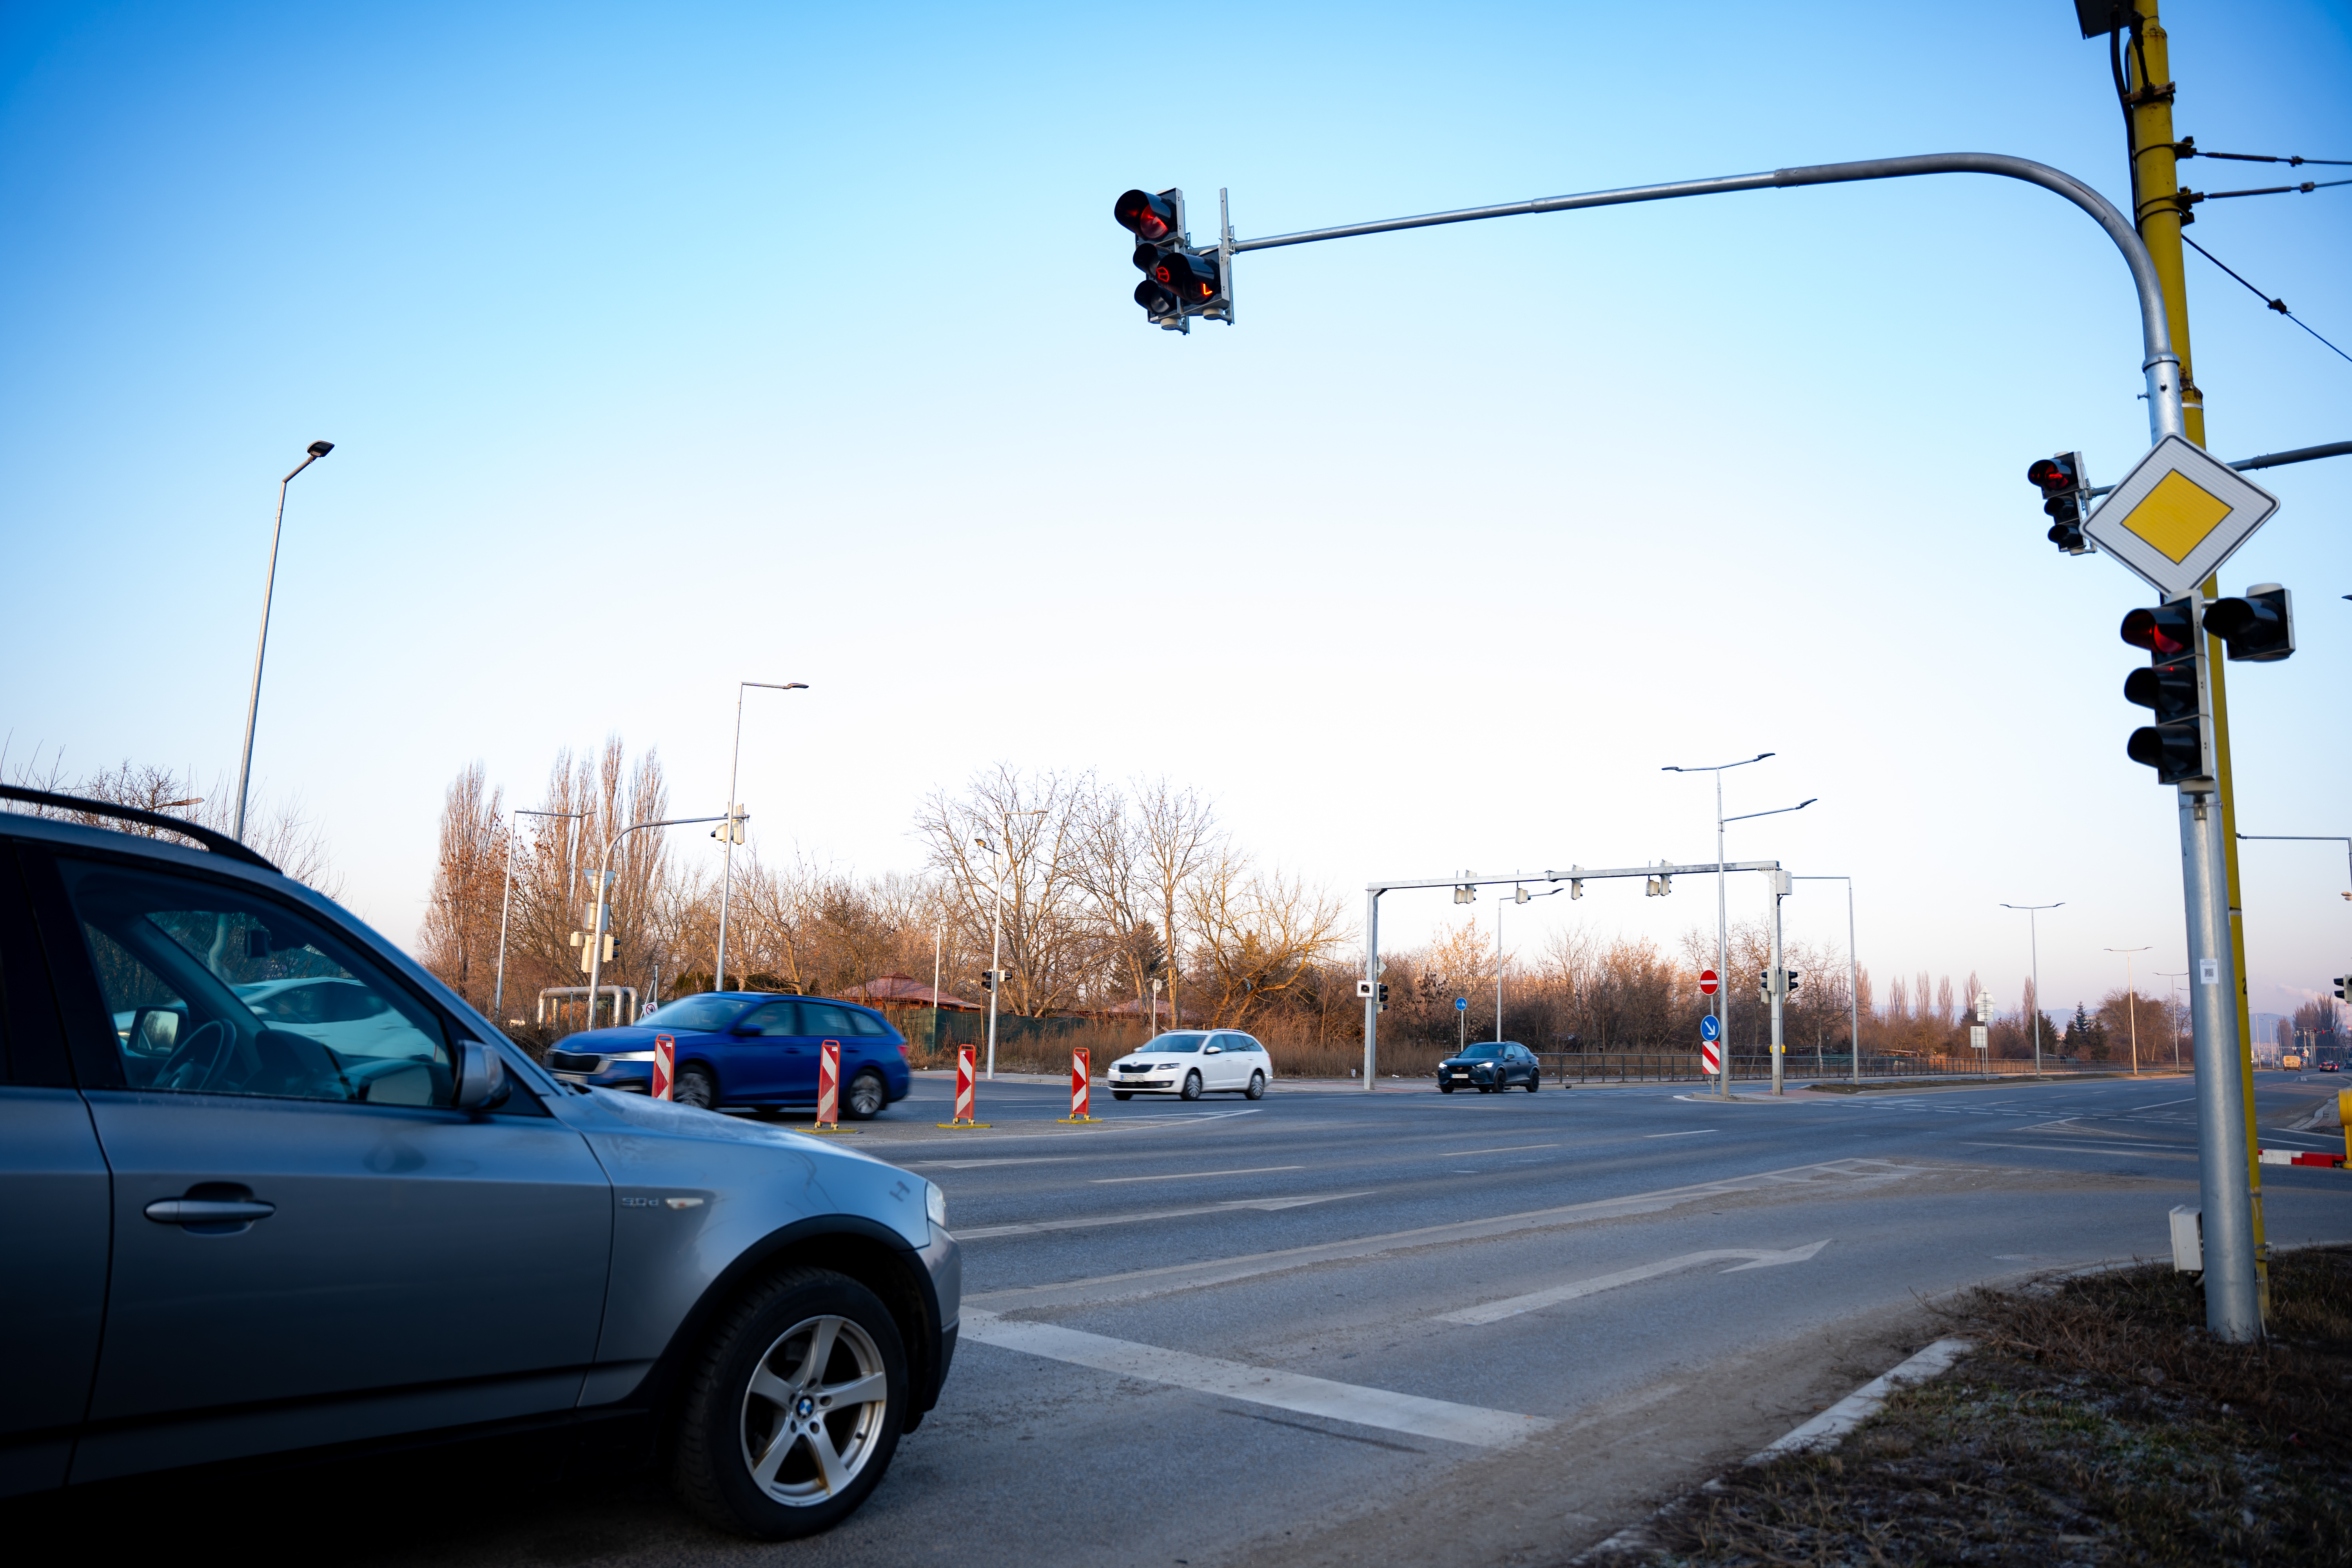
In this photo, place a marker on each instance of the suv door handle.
(208, 1211)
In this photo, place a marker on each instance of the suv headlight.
(935, 1203)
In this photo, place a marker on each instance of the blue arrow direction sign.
(1709, 1027)
(1462, 1004)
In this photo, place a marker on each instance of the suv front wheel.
(793, 1408)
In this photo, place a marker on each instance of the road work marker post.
(828, 1088)
(964, 1076)
(1081, 1061)
(1709, 1056)
(665, 1065)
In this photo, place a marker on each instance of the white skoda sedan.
(1193, 1062)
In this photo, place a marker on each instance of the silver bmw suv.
(266, 1185)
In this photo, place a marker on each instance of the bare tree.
(461, 912)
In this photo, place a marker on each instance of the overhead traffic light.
(2176, 745)
(1657, 886)
(1179, 283)
(2259, 627)
(2061, 482)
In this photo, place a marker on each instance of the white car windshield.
(1187, 1041)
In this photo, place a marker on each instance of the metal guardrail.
(1670, 1066)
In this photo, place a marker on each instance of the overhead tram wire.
(2278, 305)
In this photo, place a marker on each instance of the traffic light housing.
(2061, 482)
(2343, 988)
(2258, 627)
(2177, 745)
(1179, 283)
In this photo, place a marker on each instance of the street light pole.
(1722, 926)
(2034, 931)
(727, 870)
(261, 645)
(2131, 1000)
(2172, 1006)
(605, 906)
(498, 990)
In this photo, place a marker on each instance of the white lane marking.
(981, 1164)
(1267, 1205)
(1195, 1176)
(2174, 1152)
(1465, 1154)
(1392, 1411)
(1861, 1170)
(2182, 1100)
(1692, 1133)
(1534, 1301)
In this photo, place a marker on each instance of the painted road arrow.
(1512, 1306)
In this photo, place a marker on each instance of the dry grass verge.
(2097, 1423)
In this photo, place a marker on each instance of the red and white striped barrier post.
(1708, 1059)
(965, 1075)
(1080, 1063)
(828, 1085)
(665, 1065)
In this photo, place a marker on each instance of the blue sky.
(670, 347)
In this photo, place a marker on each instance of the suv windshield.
(1187, 1041)
(694, 1015)
(1485, 1053)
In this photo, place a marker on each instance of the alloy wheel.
(813, 1411)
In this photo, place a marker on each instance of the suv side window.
(825, 1020)
(775, 1019)
(861, 1022)
(215, 989)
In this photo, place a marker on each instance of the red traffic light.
(1190, 278)
(2164, 631)
(1152, 218)
(2053, 475)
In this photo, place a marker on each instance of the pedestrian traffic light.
(988, 979)
(2176, 744)
(1794, 981)
(2061, 481)
(1179, 282)
(2259, 627)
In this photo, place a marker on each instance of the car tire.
(695, 1086)
(1192, 1090)
(1256, 1091)
(1534, 1082)
(866, 1096)
(747, 1400)
(1122, 1094)
(1444, 1086)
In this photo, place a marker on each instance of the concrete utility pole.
(2159, 211)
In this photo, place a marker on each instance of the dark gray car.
(233, 1230)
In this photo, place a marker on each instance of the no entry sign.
(1707, 982)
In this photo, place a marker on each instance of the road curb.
(1827, 1427)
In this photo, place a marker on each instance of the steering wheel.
(196, 1062)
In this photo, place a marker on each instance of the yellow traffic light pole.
(2159, 212)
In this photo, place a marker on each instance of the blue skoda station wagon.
(746, 1047)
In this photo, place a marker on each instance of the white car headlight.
(935, 1203)
(630, 1056)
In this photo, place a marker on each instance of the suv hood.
(626, 1037)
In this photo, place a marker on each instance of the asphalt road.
(1337, 1327)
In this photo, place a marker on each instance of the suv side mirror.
(1213, 1051)
(481, 1077)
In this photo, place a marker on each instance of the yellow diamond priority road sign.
(2179, 516)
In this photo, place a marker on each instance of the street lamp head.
(794, 686)
(320, 448)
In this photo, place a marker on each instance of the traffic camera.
(2176, 744)
(2061, 482)
(2258, 627)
